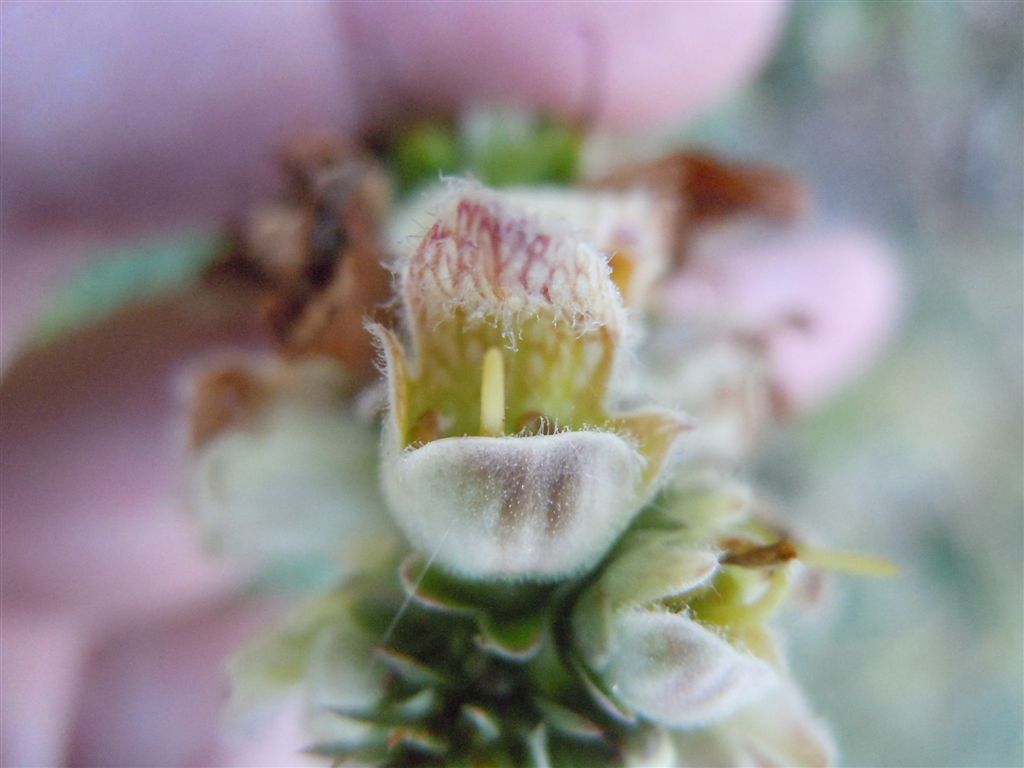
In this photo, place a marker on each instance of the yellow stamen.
(492, 394)
(850, 562)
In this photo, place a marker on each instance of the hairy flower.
(674, 627)
(501, 456)
(634, 227)
(281, 468)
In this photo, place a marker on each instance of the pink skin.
(122, 121)
(840, 287)
(119, 119)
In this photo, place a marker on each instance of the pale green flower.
(281, 468)
(501, 456)
(564, 602)
(656, 655)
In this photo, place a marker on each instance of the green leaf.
(424, 152)
(126, 276)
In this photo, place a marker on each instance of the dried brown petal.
(318, 255)
(332, 323)
(708, 190)
(749, 554)
(302, 158)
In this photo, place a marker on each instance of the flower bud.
(676, 636)
(280, 468)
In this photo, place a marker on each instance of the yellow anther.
(623, 266)
(492, 394)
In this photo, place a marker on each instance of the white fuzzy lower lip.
(536, 507)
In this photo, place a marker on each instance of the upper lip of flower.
(676, 632)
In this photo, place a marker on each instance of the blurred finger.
(148, 114)
(155, 694)
(827, 303)
(40, 680)
(125, 118)
(92, 520)
(630, 65)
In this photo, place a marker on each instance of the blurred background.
(905, 118)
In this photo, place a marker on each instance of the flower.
(501, 458)
(674, 627)
(282, 470)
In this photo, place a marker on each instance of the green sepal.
(517, 638)
(415, 708)
(536, 741)
(484, 724)
(410, 670)
(504, 630)
(438, 590)
(605, 700)
(650, 568)
(568, 722)
(350, 753)
(418, 740)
